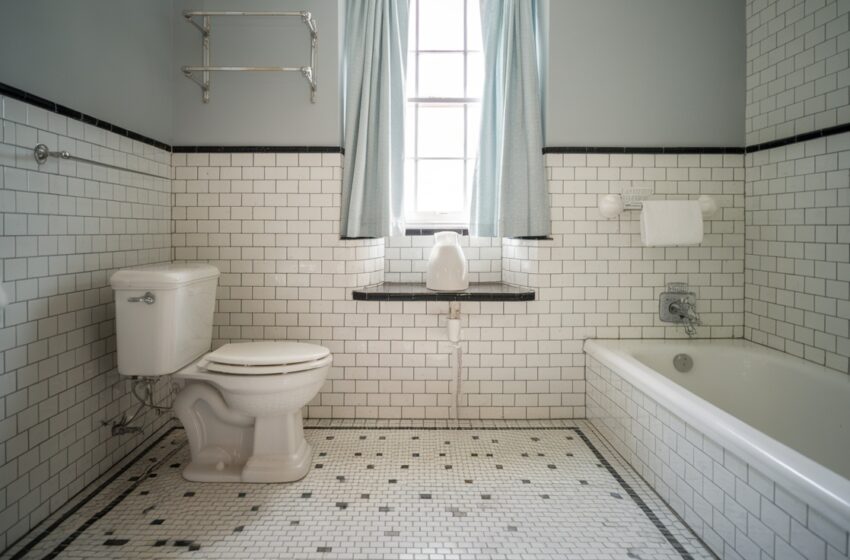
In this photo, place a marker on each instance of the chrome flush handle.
(148, 298)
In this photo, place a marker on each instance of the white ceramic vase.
(447, 270)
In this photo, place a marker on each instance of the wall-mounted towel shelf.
(205, 27)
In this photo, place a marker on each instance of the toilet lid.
(267, 353)
(263, 358)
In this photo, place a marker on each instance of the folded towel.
(666, 223)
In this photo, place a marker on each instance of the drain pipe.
(453, 331)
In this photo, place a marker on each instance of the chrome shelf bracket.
(205, 28)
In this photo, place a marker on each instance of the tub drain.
(683, 363)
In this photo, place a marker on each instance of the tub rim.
(819, 487)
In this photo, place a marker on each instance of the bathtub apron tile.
(736, 509)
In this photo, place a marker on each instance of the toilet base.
(278, 468)
(258, 469)
(281, 454)
(228, 446)
(200, 472)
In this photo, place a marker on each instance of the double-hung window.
(445, 76)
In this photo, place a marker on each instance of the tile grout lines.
(612, 471)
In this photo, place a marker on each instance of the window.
(445, 78)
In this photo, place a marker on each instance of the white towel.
(666, 223)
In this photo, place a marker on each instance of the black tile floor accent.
(51, 525)
(590, 506)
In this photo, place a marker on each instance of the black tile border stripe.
(21, 95)
(111, 505)
(26, 97)
(641, 150)
(648, 512)
(820, 133)
(65, 516)
(258, 149)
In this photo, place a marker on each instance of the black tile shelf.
(485, 291)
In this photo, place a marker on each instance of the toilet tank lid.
(161, 276)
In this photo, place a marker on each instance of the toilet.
(240, 404)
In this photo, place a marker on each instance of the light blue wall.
(646, 73)
(622, 72)
(107, 58)
(258, 108)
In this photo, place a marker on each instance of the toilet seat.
(265, 358)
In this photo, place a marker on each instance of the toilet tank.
(159, 336)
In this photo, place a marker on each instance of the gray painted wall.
(622, 72)
(107, 58)
(646, 73)
(258, 108)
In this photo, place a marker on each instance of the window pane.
(440, 186)
(410, 79)
(441, 75)
(470, 174)
(441, 25)
(473, 25)
(409, 186)
(474, 75)
(440, 131)
(473, 120)
(410, 130)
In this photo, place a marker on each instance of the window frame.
(414, 218)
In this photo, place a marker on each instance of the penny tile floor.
(495, 490)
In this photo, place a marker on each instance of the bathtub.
(749, 436)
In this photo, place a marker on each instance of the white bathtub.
(787, 419)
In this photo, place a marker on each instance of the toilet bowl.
(240, 404)
(263, 386)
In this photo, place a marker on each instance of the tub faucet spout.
(686, 311)
(679, 305)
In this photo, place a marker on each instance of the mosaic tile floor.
(505, 490)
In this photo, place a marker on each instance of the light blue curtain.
(509, 192)
(374, 60)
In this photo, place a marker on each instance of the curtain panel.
(509, 192)
(374, 62)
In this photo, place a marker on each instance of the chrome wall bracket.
(205, 27)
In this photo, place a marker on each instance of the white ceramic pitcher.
(447, 270)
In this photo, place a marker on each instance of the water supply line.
(453, 331)
(124, 424)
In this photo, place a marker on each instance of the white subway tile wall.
(66, 227)
(736, 510)
(798, 250)
(600, 280)
(270, 223)
(798, 67)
